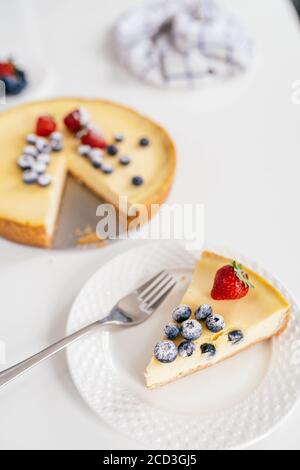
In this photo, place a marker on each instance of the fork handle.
(13, 372)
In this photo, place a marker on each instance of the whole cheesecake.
(28, 213)
(209, 327)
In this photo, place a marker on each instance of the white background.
(238, 153)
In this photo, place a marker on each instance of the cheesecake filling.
(158, 373)
(55, 198)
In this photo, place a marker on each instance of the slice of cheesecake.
(226, 327)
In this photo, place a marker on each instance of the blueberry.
(57, 136)
(186, 349)
(21, 75)
(97, 161)
(119, 137)
(235, 336)
(215, 323)
(31, 150)
(208, 349)
(165, 351)
(31, 139)
(125, 160)
(26, 162)
(112, 150)
(30, 176)
(182, 313)
(191, 329)
(203, 312)
(84, 150)
(172, 330)
(39, 167)
(144, 142)
(44, 180)
(42, 145)
(137, 181)
(96, 153)
(107, 169)
(48, 148)
(14, 84)
(56, 146)
(44, 158)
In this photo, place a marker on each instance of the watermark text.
(180, 222)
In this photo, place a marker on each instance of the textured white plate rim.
(276, 426)
(297, 402)
(271, 430)
(224, 252)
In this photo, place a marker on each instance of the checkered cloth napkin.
(182, 43)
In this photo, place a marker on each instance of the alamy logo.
(2, 93)
(296, 92)
(182, 222)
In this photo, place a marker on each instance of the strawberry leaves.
(241, 274)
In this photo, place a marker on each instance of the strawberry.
(6, 69)
(94, 140)
(73, 121)
(45, 126)
(231, 283)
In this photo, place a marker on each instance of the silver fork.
(129, 311)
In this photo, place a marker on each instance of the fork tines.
(154, 291)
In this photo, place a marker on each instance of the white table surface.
(238, 153)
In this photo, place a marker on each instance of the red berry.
(72, 121)
(6, 69)
(45, 126)
(94, 139)
(231, 283)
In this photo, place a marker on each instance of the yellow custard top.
(258, 304)
(30, 203)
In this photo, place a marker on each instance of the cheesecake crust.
(27, 234)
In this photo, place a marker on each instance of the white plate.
(227, 406)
